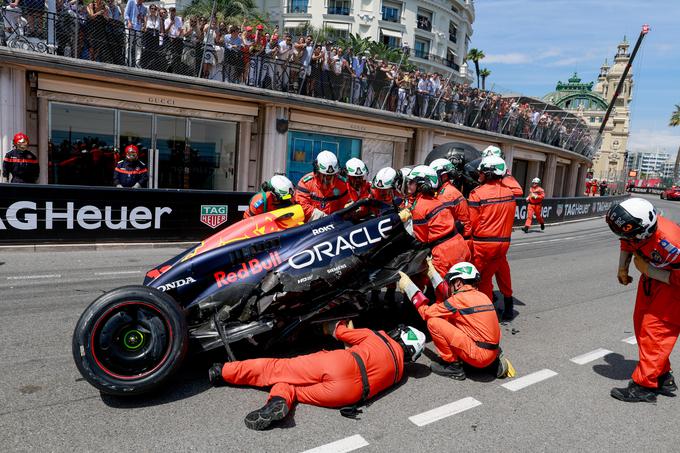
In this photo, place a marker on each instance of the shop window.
(81, 145)
(85, 143)
(303, 147)
(213, 150)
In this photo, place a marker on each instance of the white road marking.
(590, 356)
(341, 446)
(568, 238)
(630, 340)
(117, 272)
(28, 277)
(529, 379)
(444, 411)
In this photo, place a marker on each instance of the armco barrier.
(557, 210)
(39, 214)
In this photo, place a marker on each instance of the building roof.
(573, 93)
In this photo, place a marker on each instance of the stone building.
(590, 101)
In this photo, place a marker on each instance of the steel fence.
(77, 33)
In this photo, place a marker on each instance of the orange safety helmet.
(20, 138)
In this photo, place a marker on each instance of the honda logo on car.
(252, 267)
(359, 238)
(26, 215)
(176, 284)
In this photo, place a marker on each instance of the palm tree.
(381, 51)
(675, 117)
(484, 73)
(356, 43)
(475, 55)
(224, 8)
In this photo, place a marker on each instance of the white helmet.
(356, 167)
(442, 166)
(281, 187)
(326, 163)
(411, 339)
(384, 179)
(492, 150)
(536, 181)
(424, 176)
(632, 218)
(464, 271)
(493, 166)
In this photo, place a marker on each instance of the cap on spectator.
(260, 27)
(249, 28)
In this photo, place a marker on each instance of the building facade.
(437, 32)
(651, 165)
(590, 102)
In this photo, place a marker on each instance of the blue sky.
(531, 44)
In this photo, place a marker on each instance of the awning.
(391, 33)
(337, 26)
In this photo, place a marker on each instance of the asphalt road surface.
(570, 345)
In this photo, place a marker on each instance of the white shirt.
(176, 27)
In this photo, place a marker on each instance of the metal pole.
(645, 30)
(434, 109)
(403, 52)
(205, 39)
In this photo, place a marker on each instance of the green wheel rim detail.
(133, 339)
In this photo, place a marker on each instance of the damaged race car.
(261, 280)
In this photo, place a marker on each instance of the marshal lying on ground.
(260, 279)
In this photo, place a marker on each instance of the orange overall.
(363, 192)
(450, 196)
(327, 378)
(656, 319)
(492, 213)
(263, 202)
(435, 223)
(463, 327)
(535, 205)
(311, 194)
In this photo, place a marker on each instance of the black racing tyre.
(130, 340)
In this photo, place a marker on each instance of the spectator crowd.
(153, 37)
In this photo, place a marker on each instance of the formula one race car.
(260, 279)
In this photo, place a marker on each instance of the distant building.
(591, 104)
(436, 31)
(650, 164)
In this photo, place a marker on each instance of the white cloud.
(650, 140)
(507, 58)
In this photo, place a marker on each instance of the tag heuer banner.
(36, 214)
(39, 214)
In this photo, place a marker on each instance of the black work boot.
(634, 393)
(215, 374)
(453, 370)
(542, 226)
(276, 409)
(508, 308)
(667, 386)
(525, 229)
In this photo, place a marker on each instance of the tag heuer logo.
(560, 208)
(214, 215)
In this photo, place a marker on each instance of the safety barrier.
(41, 214)
(652, 190)
(556, 210)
